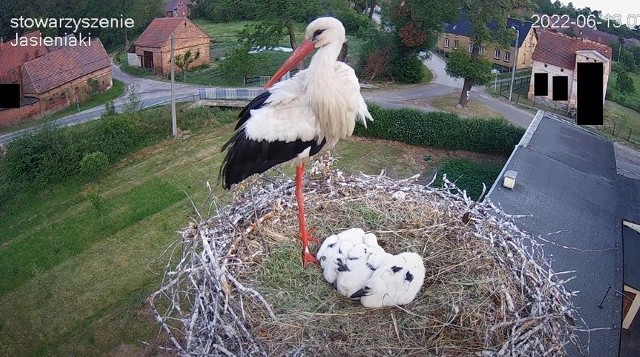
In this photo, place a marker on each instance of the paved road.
(152, 93)
(443, 84)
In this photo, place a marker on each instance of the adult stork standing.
(296, 118)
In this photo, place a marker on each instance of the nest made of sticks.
(234, 284)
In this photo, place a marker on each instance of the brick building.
(153, 47)
(558, 54)
(14, 57)
(67, 75)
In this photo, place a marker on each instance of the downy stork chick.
(335, 259)
(354, 273)
(297, 118)
(396, 282)
(371, 241)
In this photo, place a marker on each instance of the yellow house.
(460, 34)
(558, 55)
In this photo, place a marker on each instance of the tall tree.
(489, 22)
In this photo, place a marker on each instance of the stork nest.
(234, 283)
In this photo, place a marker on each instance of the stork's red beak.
(305, 48)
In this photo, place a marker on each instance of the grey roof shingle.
(463, 27)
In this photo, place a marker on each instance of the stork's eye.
(317, 33)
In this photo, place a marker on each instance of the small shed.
(153, 47)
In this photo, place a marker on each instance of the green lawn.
(469, 175)
(75, 273)
(631, 100)
(99, 99)
(224, 38)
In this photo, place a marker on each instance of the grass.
(96, 100)
(474, 108)
(623, 122)
(469, 175)
(224, 38)
(76, 273)
(631, 100)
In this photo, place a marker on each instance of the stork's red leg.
(304, 235)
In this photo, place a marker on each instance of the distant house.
(558, 54)
(153, 47)
(590, 33)
(67, 75)
(460, 35)
(178, 8)
(577, 198)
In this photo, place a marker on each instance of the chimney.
(510, 179)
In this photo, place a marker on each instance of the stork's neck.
(325, 58)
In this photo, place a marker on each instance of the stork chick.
(354, 273)
(335, 260)
(396, 282)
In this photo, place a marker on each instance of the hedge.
(55, 154)
(442, 130)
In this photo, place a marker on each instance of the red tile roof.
(13, 57)
(64, 65)
(560, 50)
(158, 31)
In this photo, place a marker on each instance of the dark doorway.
(147, 60)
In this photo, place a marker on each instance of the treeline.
(556, 7)
(280, 11)
(141, 11)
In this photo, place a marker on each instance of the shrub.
(624, 82)
(44, 157)
(406, 68)
(55, 154)
(94, 164)
(442, 130)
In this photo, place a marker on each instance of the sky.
(612, 7)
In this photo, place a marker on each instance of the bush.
(442, 130)
(406, 68)
(624, 82)
(469, 175)
(94, 164)
(44, 157)
(55, 154)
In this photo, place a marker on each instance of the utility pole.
(515, 60)
(174, 125)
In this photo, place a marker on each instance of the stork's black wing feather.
(246, 156)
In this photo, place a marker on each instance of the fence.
(610, 127)
(518, 83)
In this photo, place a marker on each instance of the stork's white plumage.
(396, 282)
(296, 118)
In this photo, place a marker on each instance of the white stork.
(296, 118)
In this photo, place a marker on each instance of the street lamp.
(515, 60)
(495, 83)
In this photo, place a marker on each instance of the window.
(481, 50)
(446, 43)
(507, 56)
(496, 54)
(471, 47)
(63, 95)
(455, 44)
